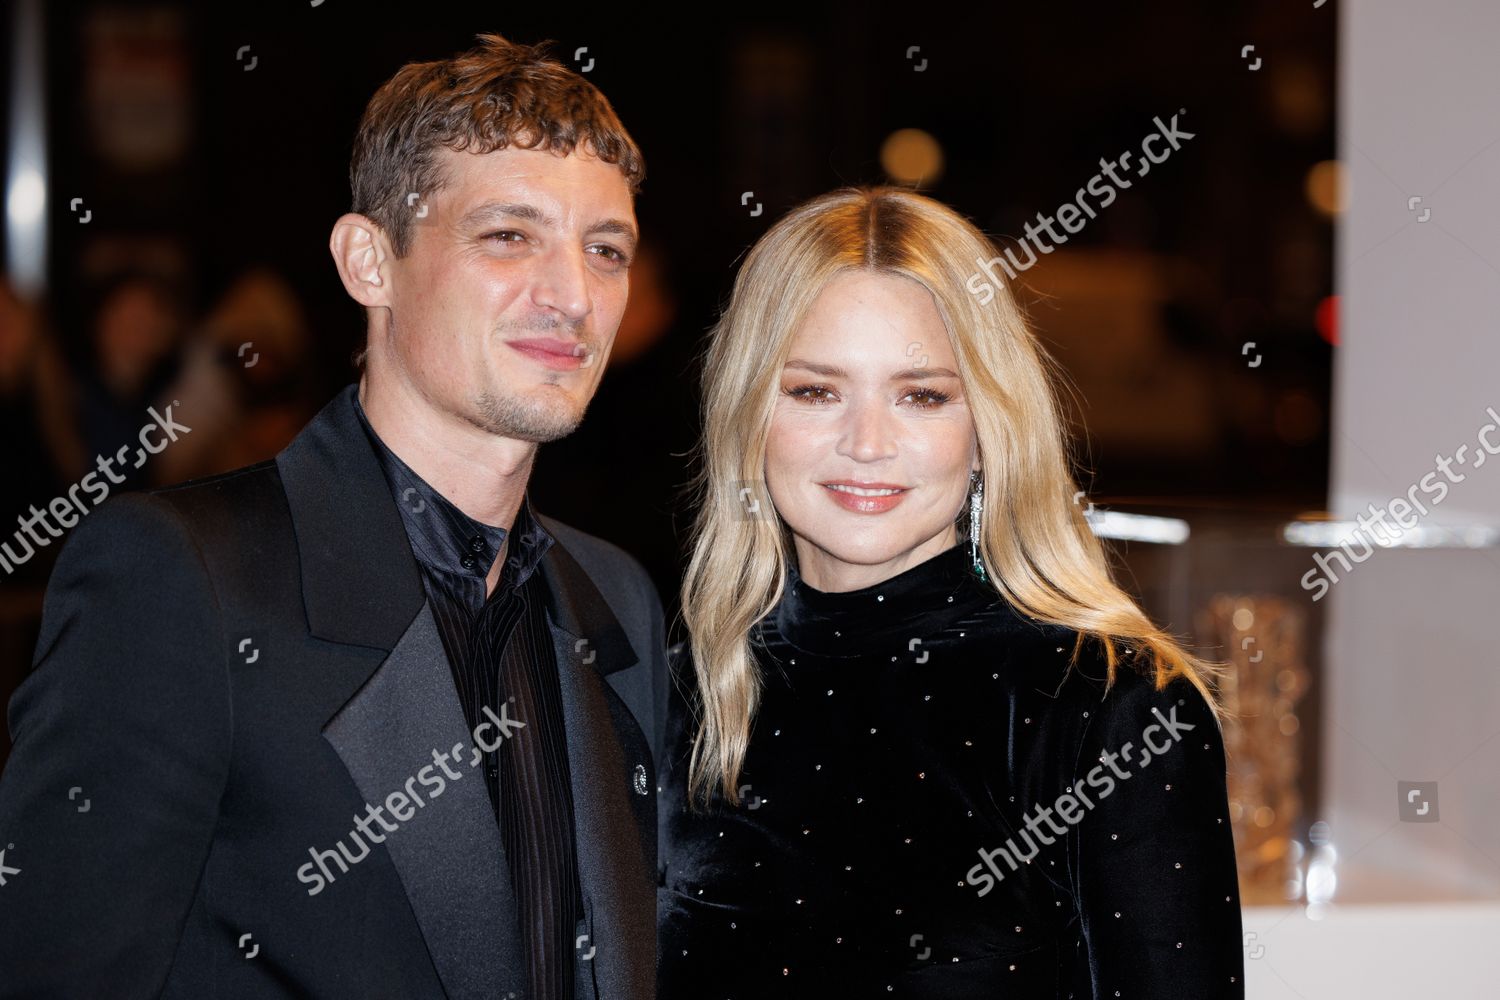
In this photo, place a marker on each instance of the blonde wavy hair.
(1038, 550)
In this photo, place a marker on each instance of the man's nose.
(562, 285)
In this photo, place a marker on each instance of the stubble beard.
(526, 418)
(541, 415)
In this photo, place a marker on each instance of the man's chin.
(527, 419)
(541, 434)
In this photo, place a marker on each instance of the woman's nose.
(868, 434)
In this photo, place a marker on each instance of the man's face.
(504, 309)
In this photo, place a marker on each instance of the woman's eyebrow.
(833, 371)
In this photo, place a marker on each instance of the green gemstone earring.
(976, 505)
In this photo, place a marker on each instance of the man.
(357, 722)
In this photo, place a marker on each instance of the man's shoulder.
(598, 557)
(623, 583)
(239, 507)
(237, 485)
(201, 506)
(243, 488)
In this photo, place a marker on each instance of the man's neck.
(482, 474)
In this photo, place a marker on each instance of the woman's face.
(871, 440)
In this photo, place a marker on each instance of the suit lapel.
(450, 858)
(348, 529)
(361, 586)
(610, 764)
(449, 854)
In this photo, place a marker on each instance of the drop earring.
(976, 506)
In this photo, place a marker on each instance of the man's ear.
(361, 252)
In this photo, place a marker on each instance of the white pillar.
(1413, 656)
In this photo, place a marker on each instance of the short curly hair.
(495, 95)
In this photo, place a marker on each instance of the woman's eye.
(923, 399)
(933, 398)
(811, 393)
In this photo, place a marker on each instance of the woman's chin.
(859, 547)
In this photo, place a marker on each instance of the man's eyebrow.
(500, 209)
(495, 210)
(619, 227)
(833, 371)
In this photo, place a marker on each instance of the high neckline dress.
(936, 807)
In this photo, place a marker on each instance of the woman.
(901, 762)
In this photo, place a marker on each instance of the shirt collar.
(914, 603)
(444, 538)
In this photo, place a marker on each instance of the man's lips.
(560, 355)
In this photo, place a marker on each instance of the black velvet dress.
(934, 807)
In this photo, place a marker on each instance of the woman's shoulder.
(1135, 707)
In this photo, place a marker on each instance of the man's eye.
(503, 233)
(615, 255)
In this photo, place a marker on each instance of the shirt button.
(492, 771)
(476, 544)
(468, 562)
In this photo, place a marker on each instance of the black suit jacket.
(227, 672)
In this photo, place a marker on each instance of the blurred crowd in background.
(196, 160)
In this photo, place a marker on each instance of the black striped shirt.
(500, 651)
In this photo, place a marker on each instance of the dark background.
(1148, 308)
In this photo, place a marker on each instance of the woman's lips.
(559, 355)
(865, 498)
